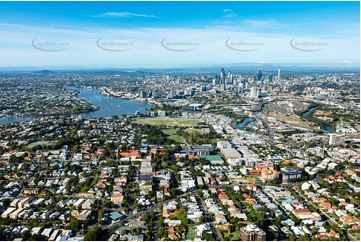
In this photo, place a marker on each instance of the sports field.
(169, 121)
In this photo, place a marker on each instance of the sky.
(178, 34)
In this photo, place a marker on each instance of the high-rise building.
(336, 139)
(222, 77)
(155, 93)
(279, 74)
(229, 79)
(215, 81)
(172, 93)
(253, 92)
(235, 81)
(142, 94)
(259, 75)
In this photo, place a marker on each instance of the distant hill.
(45, 72)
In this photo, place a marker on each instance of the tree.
(164, 164)
(160, 233)
(100, 215)
(173, 191)
(93, 234)
(208, 236)
(74, 224)
(181, 214)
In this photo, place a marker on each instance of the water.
(304, 114)
(328, 129)
(108, 106)
(11, 120)
(243, 123)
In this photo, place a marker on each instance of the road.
(215, 232)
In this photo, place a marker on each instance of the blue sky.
(175, 34)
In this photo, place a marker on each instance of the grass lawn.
(235, 236)
(191, 234)
(214, 141)
(292, 120)
(169, 121)
(173, 135)
(176, 138)
(192, 130)
(170, 131)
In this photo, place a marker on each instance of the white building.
(336, 139)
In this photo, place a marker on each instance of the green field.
(168, 121)
(173, 135)
(193, 130)
(170, 131)
(176, 138)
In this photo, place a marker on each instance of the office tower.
(253, 93)
(259, 75)
(229, 78)
(235, 81)
(222, 77)
(215, 81)
(172, 93)
(142, 94)
(155, 93)
(279, 74)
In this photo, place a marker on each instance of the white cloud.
(229, 13)
(269, 23)
(16, 48)
(124, 15)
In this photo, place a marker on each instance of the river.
(327, 128)
(108, 106)
(304, 114)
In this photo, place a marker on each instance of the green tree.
(94, 234)
(75, 225)
(164, 164)
(181, 214)
(100, 215)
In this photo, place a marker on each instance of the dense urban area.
(217, 156)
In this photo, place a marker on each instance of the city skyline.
(154, 35)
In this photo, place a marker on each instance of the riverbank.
(308, 115)
(97, 105)
(110, 93)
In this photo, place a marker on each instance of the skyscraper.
(259, 75)
(222, 77)
(229, 78)
(253, 92)
(279, 74)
